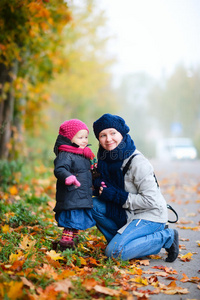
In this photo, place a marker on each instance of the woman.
(129, 208)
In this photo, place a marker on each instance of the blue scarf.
(109, 165)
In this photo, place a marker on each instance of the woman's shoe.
(173, 251)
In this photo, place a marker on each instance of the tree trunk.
(6, 108)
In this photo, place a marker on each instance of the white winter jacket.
(145, 200)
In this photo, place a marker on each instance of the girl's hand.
(72, 180)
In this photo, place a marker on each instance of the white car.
(176, 149)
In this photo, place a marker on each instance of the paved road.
(180, 183)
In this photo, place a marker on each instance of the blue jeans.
(137, 240)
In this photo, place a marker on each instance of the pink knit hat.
(71, 127)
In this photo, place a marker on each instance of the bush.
(8, 171)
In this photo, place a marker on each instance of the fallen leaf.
(13, 190)
(48, 271)
(26, 243)
(141, 295)
(153, 279)
(135, 271)
(196, 228)
(185, 278)
(170, 289)
(184, 222)
(191, 215)
(5, 228)
(13, 257)
(140, 280)
(54, 255)
(184, 240)
(166, 269)
(63, 285)
(106, 291)
(173, 289)
(155, 256)
(92, 261)
(28, 283)
(89, 284)
(17, 265)
(195, 279)
(144, 262)
(186, 257)
(48, 293)
(65, 274)
(162, 274)
(2, 242)
(83, 261)
(172, 278)
(15, 290)
(182, 247)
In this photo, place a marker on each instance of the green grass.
(27, 214)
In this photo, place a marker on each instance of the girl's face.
(81, 138)
(110, 138)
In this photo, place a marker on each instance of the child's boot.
(76, 235)
(67, 239)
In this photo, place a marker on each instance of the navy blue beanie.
(110, 121)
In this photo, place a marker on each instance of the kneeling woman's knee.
(114, 251)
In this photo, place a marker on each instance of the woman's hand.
(113, 194)
(101, 187)
(100, 190)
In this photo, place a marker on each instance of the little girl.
(73, 164)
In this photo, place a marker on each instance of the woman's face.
(110, 138)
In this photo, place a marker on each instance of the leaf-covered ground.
(33, 267)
